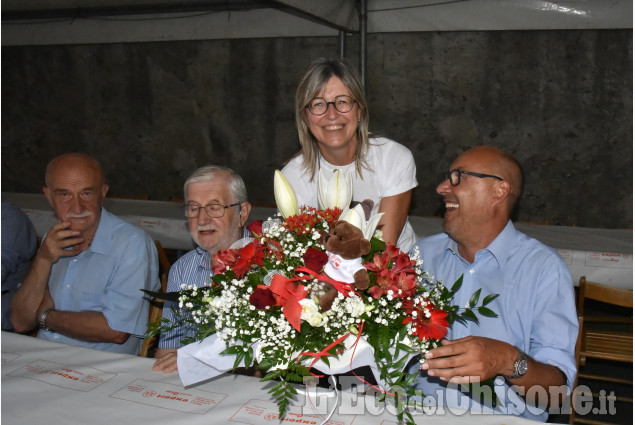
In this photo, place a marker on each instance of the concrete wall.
(560, 101)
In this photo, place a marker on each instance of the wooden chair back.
(610, 340)
(156, 305)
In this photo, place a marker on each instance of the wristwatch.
(520, 366)
(43, 317)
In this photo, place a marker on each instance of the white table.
(45, 382)
(602, 255)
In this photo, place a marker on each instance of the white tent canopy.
(37, 22)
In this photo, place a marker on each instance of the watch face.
(522, 367)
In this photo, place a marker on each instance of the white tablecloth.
(602, 255)
(45, 382)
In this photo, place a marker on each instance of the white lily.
(336, 190)
(357, 218)
(286, 200)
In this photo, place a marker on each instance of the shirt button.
(471, 271)
(68, 286)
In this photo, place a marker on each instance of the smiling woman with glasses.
(332, 122)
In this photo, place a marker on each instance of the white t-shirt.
(341, 269)
(393, 172)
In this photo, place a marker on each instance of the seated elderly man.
(84, 285)
(216, 208)
(531, 344)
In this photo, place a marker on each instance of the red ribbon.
(342, 287)
(324, 352)
(289, 295)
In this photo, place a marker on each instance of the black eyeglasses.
(319, 106)
(455, 176)
(212, 210)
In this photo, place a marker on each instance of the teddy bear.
(345, 245)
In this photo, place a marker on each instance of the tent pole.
(342, 43)
(363, 16)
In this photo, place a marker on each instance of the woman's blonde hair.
(314, 80)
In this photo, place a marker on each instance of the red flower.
(223, 259)
(433, 327)
(308, 217)
(240, 261)
(255, 227)
(384, 284)
(406, 283)
(262, 297)
(315, 259)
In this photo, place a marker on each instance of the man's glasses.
(455, 176)
(319, 106)
(212, 210)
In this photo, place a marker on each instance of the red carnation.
(240, 261)
(315, 259)
(249, 255)
(255, 227)
(262, 297)
(433, 327)
(223, 259)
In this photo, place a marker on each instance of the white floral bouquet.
(263, 307)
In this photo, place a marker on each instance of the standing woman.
(332, 120)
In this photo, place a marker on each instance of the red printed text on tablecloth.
(609, 260)
(169, 396)
(78, 378)
(258, 412)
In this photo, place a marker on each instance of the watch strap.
(43, 317)
(520, 366)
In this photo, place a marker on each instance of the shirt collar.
(102, 242)
(204, 259)
(500, 248)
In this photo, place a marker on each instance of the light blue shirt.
(193, 268)
(535, 306)
(108, 277)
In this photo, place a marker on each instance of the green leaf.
(486, 312)
(249, 357)
(234, 349)
(168, 296)
(475, 296)
(488, 299)
(469, 315)
(457, 284)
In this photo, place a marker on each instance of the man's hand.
(166, 360)
(58, 238)
(468, 359)
(30, 298)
